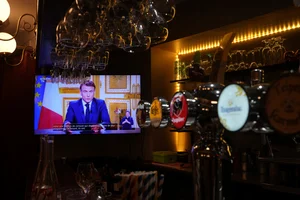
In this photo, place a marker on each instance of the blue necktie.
(87, 113)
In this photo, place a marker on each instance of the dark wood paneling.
(194, 16)
(19, 147)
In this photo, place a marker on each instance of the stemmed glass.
(86, 176)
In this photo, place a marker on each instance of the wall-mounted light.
(8, 43)
(7, 47)
(5, 11)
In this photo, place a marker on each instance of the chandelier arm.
(29, 29)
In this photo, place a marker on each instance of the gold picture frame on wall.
(117, 84)
(116, 103)
(65, 88)
(66, 101)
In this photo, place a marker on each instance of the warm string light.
(177, 85)
(243, 37)
(182, 141)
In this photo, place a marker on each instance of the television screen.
(102, 104)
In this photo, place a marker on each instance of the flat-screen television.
(101, 104)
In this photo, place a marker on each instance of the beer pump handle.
(220, 59)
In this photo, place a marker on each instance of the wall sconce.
(9, 46)
(8, 43)
(5, 11)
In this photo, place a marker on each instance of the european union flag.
(40, 82)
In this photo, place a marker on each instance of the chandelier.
(90, 29)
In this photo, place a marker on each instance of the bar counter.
(178, 183)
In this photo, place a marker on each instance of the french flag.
(51, 110)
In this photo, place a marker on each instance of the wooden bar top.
(185, 167)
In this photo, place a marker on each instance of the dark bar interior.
(150, 99)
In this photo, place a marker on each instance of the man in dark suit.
(87, 110)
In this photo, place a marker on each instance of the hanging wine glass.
(55, 75)
(120, 9)
(104, 4)
(110, 34)
(63, 36)
(85, 73)
(99, 60)
(127, 31)
(137, 11)
(140, 42)
(153, 15)
(75, 26)
(56, 59)
(89, 12)
(86, 6)
(166, 8)
(64, 76)
(59, 55)
(158, 33)
(90, 29)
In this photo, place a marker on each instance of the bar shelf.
(270, 70)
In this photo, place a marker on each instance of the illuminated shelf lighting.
(177, 85)
(243, 37)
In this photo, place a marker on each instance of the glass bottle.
(45, 182)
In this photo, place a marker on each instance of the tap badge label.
(179, 110)
(283, 104)
(155, 113)
(233, 107)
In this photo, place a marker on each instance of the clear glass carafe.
(45, 182)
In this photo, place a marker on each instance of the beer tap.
(211, 153)
(256, 94)
(155, 114)
(282, 104)
(262, 108)
(143, 114)
(159, 113)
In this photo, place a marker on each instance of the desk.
(104, 132)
